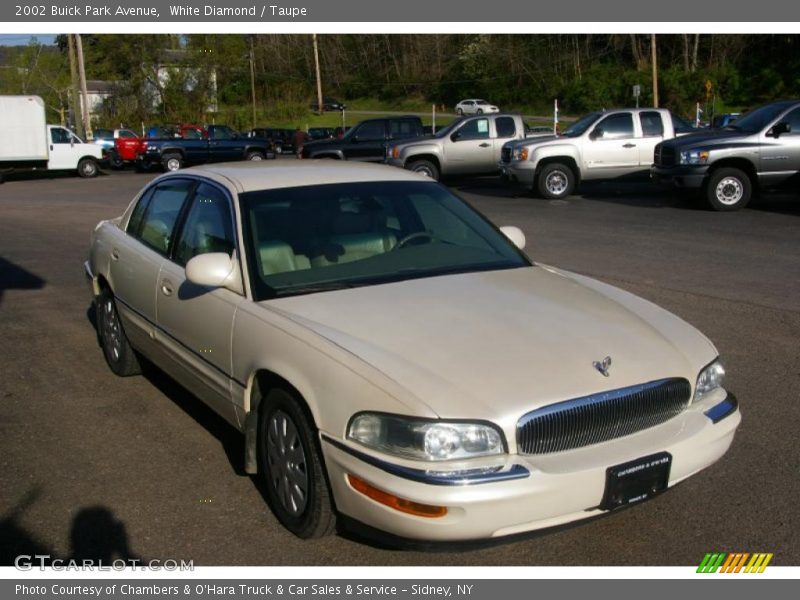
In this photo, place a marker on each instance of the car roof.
(247, 176)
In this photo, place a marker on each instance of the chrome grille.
(505, 154)
(601, 417)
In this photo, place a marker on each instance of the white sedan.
(390, 356)
(475, 106)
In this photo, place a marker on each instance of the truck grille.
(664, 156)
(601, 417)
(505, 154)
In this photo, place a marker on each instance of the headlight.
(423, 439)
(709, 379)
(520, 154)
(694, 157)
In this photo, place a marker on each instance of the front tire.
(278, 149)
(290, 463)
(728, 189)
(254, 156)
(87, 167)
(119, 353)
(460, 112)
(172, 162)
(556, 181)
(424, 167)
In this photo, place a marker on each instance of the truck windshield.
(757, 119)
(580, 126)
(449, 128)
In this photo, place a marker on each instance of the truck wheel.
(424, 167)
(116, 162)
(290, 463)
(87, 167)
(254, 156)
(460, 112)
(555, 181)
(278, 149)
(172, 162)
(728, 189)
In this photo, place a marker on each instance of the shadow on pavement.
(14, 277)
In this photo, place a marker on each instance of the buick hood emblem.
(603, 365)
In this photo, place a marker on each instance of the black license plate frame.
(636, 480)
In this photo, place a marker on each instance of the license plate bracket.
(637, 480)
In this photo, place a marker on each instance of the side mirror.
(779, 129)
(596, 133)
(515, 235)
(455, 136)
(215, 269)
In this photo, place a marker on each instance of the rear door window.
(156, 227)
(506, 127)
(652, 125)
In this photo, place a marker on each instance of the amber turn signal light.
(401, 504)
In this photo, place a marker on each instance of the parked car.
(390, 356)
(119, 146)
(760, 150)
(366, 141)
(603, 145)
(221, 144)
(328, 104)
(282, 139)
(474, 106)
(469, 145)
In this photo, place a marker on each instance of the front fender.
(409, 152)
(555, 151)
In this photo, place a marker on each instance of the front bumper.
(520, 172)
(395, 162)
(527, 492)
(681, 176)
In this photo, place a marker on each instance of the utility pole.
(77, 114)
(320, 108)
(253, 78)
(87, 120)
(655, 69)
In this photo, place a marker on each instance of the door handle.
(629, 145)
(485, 145)
(115, 254)
(166, 287)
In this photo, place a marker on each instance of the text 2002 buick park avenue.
(391, 356)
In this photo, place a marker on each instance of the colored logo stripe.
(734, 562)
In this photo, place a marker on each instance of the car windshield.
(581, 125)
(324, 237)
(757, 119)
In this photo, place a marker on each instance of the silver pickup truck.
(469, 145)
(601, 145)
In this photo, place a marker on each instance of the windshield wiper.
(314, 288)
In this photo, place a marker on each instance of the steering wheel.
(414, 236)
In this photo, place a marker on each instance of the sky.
(22, 39)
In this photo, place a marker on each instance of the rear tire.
(291, 466)
(172, 162)
(119, 353)
(728, 189)
(555, 181)
(424, 167)
(87, 167)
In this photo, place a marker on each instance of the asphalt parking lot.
(92, 465)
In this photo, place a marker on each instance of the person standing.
(300, 138)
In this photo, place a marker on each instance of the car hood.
(709, 138)
(495, 345)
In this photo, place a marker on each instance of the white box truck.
(28, 142)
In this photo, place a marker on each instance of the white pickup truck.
(467, 146)
(607, 144)
(30, 143)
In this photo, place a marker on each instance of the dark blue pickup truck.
(221, 144)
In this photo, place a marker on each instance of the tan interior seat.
(277, 257)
